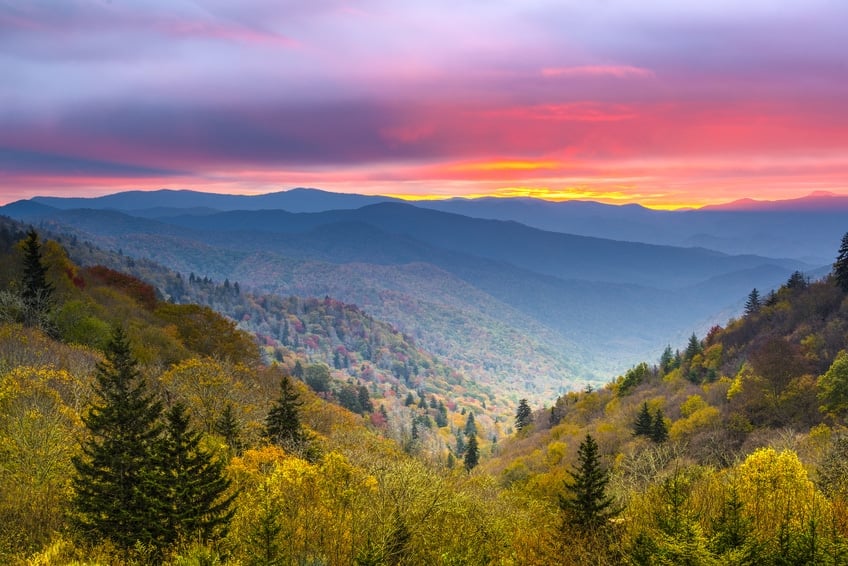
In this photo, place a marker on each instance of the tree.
(282, 425)
(470, 425)
(228, 427)
(833, 385)
(36, 292)
(193, 483)
(472, 453)
(840, 267)
(644, 424)
(317, 376)
(752, 305)
(524, 415)
(113, 495)
(693, 348)
(587, 505)
(659, 430)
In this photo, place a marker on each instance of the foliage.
(523, 416)
(116, 457)
(840, 266)
(282, 425)
(587, 504)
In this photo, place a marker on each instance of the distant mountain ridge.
(805, 229)
(500, 300)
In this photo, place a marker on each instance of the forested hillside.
(315, 441)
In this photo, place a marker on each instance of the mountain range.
(804, 228)
(498, 299)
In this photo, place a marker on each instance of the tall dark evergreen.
(282, 425)
(840, 267)
(470, 425)
(587, 505)
(752, 304)
(693, 348)
(472, 453)
(193, 485)
(116, 483)
(659, 430)
(229, 428)
(36, 291)
(524, 415)
(644, 423)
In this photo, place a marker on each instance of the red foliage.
(135, 288)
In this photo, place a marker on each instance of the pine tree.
(193, 484)
(659, 430)
(644, 424)
(472, 453)
(523, 416)
(840, 267)
(365, 399)
(116, 480)
(410, 400)
(36, 292)
(228, 427)
(470, 425)
(752, 305)
(667, 360)
(297, 371)
(282, 425)
(588, 506)
(693, 348)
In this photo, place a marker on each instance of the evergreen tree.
(752, 304)
(470, 425)
(297, 371)
(116, 481)
(644, 424)
(365, 400)
(667, 360)
(659, 430)
(840, 267)
(282, 425)
(588, 506)
(36, 292)
(693, 348)
(410, 400)
(460, 444)
(472, 453)
(228, 427)
(524, 415)
(193, 484)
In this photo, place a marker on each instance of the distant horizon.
(667, 105)
(413, 198)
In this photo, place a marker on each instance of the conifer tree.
(36, 291)
(524, 415)
(116, 481)
(470, 425)
(840, 267)
(193, 485)
(587, 504)
(659, 430)
(472, 453)
(752, 305)
(644, 424)
(228, 427)
(282, 425)
(693, 348)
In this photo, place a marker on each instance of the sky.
(661, 102)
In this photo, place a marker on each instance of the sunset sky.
(661, 102)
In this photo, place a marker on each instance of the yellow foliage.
(776, 491)
(701, 418)
(692, 404)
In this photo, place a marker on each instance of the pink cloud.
(616, 71)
